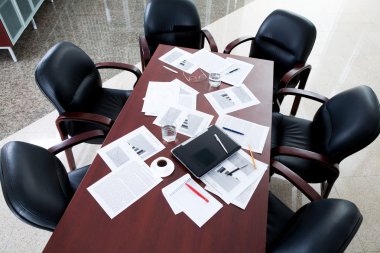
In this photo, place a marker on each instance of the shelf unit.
(15, 15)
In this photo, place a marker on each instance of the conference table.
(149, 224)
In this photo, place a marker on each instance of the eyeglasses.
(195, 78)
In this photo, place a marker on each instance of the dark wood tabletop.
(149, 224)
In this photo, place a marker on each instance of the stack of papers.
(160, 95)
(185, 195)
(235, 179)
(175, 103)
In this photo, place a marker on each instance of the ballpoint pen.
(196, 192)
(253, 159)
(220, 142)
(232, 71)
(232, 172)
(231, 130)
(172, 70)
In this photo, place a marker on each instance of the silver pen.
(220, 142)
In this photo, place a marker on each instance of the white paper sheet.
(209, 62)
(121, 188)
(158, 96)
(138, 144)
(186, 200)
(231, 99)
(237, 72)
(243, 198)
(255, 135)
(187, 95)
(178, 58)
(228, 186)
(189, 122)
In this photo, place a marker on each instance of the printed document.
(192, 199)
(231, 99)
(158, 96)
(178, 58)
(121, 188)
(138, 144)
(243, 198)
(244, 132)
(187, 121)
(237, 72)
(209, 62)
(233, 176)
(187, 95)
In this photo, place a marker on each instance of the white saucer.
(162, 171)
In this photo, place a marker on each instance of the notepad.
(203, 152)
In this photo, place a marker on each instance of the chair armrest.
(84, 116)
(302, 93)
(302, 71)
(306, 154)
(237, 42)
(296, 180)
(81, 116)
(75, 140)
(207, 35)
(144, 52)
(118, 65)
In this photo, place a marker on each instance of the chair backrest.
(172, 22)
(347, 123)
(68, 78)
(35, 184)
(285, 38)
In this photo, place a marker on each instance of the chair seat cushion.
(109, 103)
(296, 132)
(326, 225)
(76, 176)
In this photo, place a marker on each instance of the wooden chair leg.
(68, 152)
(301, 86)
(70, 159)
(326, 188)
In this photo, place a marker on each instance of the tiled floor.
(346, 54)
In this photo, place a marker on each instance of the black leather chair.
(287, 39)
(311, 151)
(326, 225)
(35, 183)
(172, 22)
(72, 82)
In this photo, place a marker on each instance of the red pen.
(196, 192)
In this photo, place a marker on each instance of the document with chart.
(243, 198)
(232, 177)
(188, 122)
(179, 58)
(138, 144)
(231, 99)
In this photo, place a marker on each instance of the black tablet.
(205, 151)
